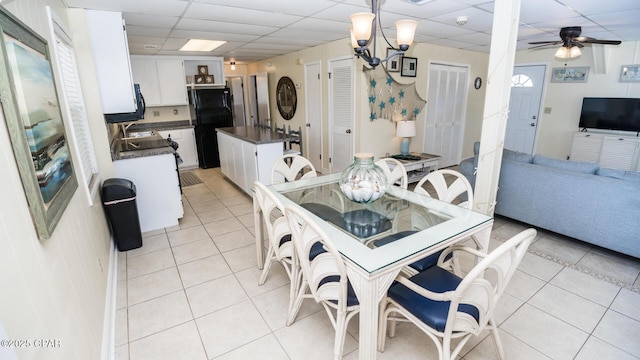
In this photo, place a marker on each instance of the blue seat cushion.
(352, 299)
(316, 249)
(419, 265)
(433, 313)
(284, 239)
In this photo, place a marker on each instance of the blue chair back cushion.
(352, 299)
(419, 265)
(316, 249)
(432, 313)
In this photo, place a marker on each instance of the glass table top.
(399, 224)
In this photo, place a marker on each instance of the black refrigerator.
(212, 109)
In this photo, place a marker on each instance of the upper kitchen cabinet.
(197, 68)
(162, 80)
(108, 37)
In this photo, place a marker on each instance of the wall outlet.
(547, 110)
(175, 111)
(156, 113)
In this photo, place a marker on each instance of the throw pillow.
(631, 176)
(575, 166)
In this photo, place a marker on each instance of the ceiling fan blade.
(541, 46)
(545, 42)
(604, 42)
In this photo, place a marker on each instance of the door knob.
(533, 117)
(533, 124)
(348, 131)
(308, 125)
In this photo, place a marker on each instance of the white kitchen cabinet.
(244, 162)
(108, 37)
(186, 146)
(215, 67)
(609, 150)
(157, 189)
(162, 80)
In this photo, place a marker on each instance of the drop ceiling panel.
(292, 7)
(224, 27)
(232, 15)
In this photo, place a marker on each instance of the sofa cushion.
(516, 156)
(632, 176)
(575, 166)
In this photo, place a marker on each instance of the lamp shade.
(568, 53)
(362, 23)
(406, 129)
(405, 30)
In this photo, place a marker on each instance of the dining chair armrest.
(445, 253)
(445, 296)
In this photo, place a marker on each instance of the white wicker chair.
(291, 167)
(447, 192)
(395, 172)
(324, 275)
(447, 307)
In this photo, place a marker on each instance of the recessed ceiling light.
(201, 45)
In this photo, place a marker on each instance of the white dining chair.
(291, 167)
(394, 171)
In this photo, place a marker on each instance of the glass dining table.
(377, 239)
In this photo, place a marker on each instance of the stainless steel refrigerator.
(212, 109)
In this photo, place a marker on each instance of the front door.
(527, 85)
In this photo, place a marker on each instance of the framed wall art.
(570, 74)
(203, 70)
(31, 110)
(630, 73)
(409, 66)
(393, 64)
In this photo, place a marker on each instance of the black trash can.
(119, 202)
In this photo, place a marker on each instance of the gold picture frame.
(32, 113)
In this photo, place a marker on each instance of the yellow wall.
(54, 288)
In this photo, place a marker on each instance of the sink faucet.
(125, 128)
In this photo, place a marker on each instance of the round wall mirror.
(286, 97)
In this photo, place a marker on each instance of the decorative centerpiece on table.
(363, 181)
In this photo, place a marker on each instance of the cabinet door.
(225, 152)
(187, 150)
(250, 165)
(586, 147)
(111, 56)
(145, 73)
(618, 153)
(171, 82)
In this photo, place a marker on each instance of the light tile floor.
(191, 293)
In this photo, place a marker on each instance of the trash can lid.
(116, 189)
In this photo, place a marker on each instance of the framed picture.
(199, 79)
(393, 64)
(409, 66)
(570, 74)
(32, 113)
(630, 73)
(203, 70)
(208, 79)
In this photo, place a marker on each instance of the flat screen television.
(610, 114)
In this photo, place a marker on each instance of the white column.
(506, 18)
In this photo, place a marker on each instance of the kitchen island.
(247, 154)
(150, 163)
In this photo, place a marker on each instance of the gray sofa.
(578, 199)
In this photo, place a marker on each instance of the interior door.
(341, 113)
(259, 98)
(313, 101)
(446, 112)
(527, 85)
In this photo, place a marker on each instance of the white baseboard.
(109, 325)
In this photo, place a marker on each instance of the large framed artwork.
(570, 74)
(32, 113)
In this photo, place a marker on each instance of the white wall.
(565, 100)
(54, 288)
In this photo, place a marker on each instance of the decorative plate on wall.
(286, 97)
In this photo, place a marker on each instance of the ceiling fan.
(572, 42)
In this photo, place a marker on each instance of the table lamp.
(405, 130)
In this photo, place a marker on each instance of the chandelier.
(363, 34)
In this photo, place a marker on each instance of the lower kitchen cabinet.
(186, 146)
(157, 189)
(244, 162)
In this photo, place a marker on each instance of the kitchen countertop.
(150, 146)
(160, 126)
(256, 135)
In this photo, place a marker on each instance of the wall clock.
(286, 97)
(477, 83)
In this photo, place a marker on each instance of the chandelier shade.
(565, 52)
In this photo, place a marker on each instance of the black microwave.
(133, 116)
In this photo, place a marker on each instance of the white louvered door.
(446, 111)
(341, 113)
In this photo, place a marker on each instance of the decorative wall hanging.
(570, 74)
(286, 98)
(391, 100)
(31, 110)
(630, 73)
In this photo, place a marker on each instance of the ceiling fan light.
(405, 30)
(362, 24)
(563, 53)
(575, 52)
